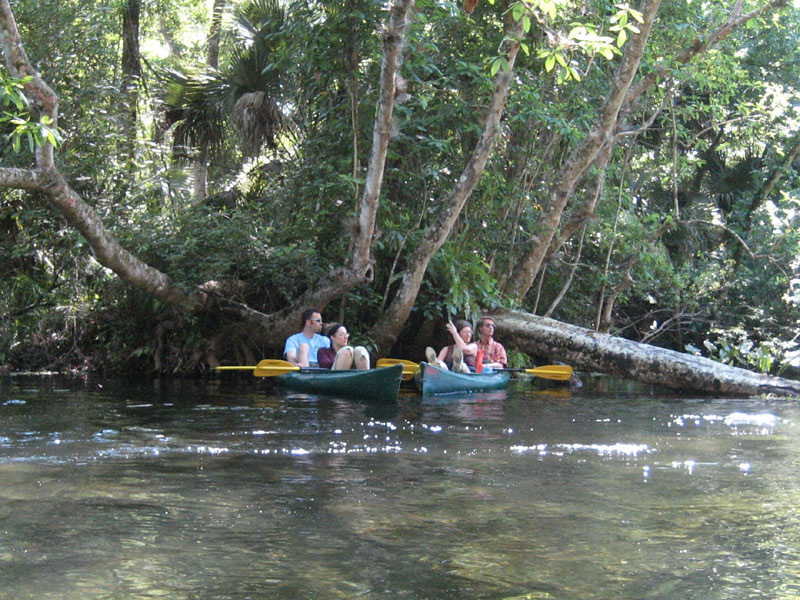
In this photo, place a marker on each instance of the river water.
(229, 489)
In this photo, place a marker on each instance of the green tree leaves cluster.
(688, 227)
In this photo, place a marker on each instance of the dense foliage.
(692, 243)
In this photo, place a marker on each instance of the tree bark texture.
(214, 33)
(585, 349)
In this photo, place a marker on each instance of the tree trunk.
(586, 154)
(360, 263)
(200, 174)
(391, 322)
(585, 211)
(585, 349)
(200, 163)
(131, 71)
(392, 43)
(214, 33)
(583, 157)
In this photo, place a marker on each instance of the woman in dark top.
(341, 356)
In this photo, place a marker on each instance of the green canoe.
(381, 384)
(435, 381)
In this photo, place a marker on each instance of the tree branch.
(22, 179)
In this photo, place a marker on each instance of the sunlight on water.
(600, 449)
(186, 491)
(763, 422)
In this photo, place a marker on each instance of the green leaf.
(621, 38)
(578, 31)
(51, 137)
(550, 63)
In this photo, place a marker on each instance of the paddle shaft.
(557, 372)
(269, 368)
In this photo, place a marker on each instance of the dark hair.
(484, 321)
(333, 329)
(461, 323)
(307, 314)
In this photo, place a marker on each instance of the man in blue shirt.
(301, 348)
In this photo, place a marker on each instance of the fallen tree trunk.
(585, 349)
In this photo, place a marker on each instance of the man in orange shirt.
(494, 355)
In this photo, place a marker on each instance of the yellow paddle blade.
(388, 362)
(408, 375)
(273, 367)
(409, 368)
(559, 372)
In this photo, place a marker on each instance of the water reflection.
(184, 490)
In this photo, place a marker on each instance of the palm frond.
(260, 120)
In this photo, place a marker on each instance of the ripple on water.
(739, 421)
(617, 449)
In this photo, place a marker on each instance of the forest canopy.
(180, 179)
